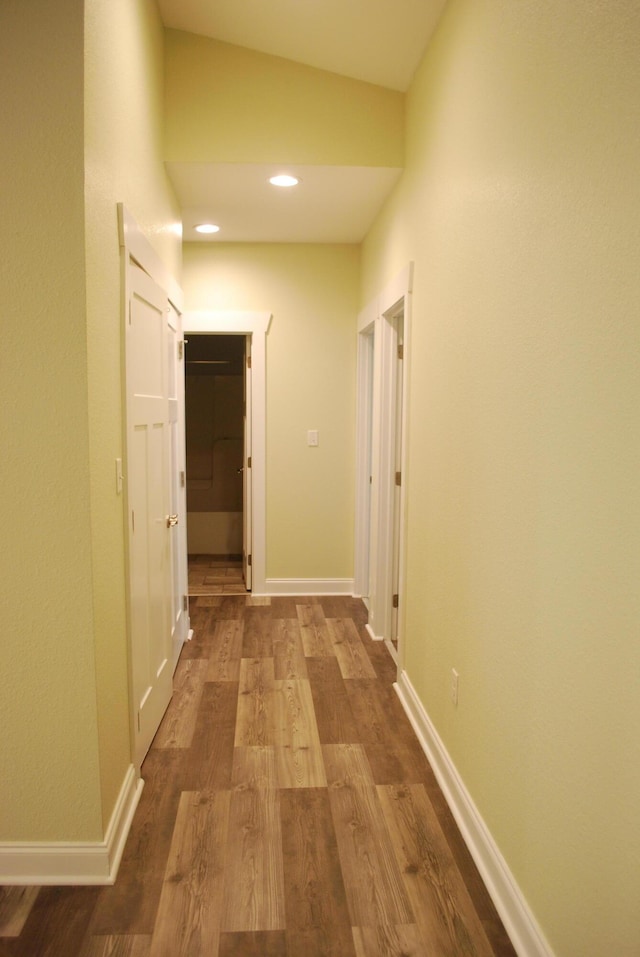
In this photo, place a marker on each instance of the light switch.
(312, 437)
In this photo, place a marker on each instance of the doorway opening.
(215, 406)
(383, 349)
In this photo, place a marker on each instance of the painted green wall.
(49, 756)
(312, 292)
(124, 103)
(64, 708)
(519, 206)
(226, 104)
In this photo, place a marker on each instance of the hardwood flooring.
(216, 575)
(288, 811)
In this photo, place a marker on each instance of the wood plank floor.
(288, 811)
(216, 575)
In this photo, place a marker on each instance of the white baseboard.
(372, 634)
(307, 586)
(521, 926)
(56, 862)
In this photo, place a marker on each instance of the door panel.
(247, 484)
(148, 491)
(177, 470)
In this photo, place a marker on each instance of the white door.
(178, 498)
(148, 492)
(397, 489)
(247, 484)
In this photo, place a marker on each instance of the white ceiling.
(378, 41)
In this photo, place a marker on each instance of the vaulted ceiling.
(375, 41)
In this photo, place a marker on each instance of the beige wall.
(229, 105)
(312, 293)
(64, 709)
(519, 206)
(47, 705)
(124, 121)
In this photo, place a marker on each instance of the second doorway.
(216, 443)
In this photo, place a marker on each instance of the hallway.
(288, 810)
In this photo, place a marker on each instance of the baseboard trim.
(372, 634)
(95, 862)
(307, 586)
(521, 925)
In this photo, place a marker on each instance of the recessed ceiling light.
(207, 228)
(284, 180)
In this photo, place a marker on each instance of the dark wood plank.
(57, 923)
(230, 606)
(315, 898)
(284, 607)
(257, 638)
(178, 724)
(117, 946)
(208, 762)
(344, 606)
(15, 907)
(225, 651)
(202, 624)
(130, 905)
(254, 944)
(334, 716)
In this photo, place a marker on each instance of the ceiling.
(377, 41)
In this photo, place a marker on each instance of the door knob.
(241, 469)
(172, 520)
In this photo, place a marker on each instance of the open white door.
(398, 324)
(148, 442)
(247, 491)
(178, 504)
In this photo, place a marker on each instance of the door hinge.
(248, 362)
(133, 521)
(396, 601)
(181, 349)
(398, 478)
(185, 603)
(249, 462)
(400, 352)
(183, 479)
(249, 560)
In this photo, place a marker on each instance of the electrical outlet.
(455, 680)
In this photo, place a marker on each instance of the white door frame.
(376, 444)
(256, 325)
(364, 452)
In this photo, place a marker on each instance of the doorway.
(215, 443)
(383, 340)
(249, 328)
